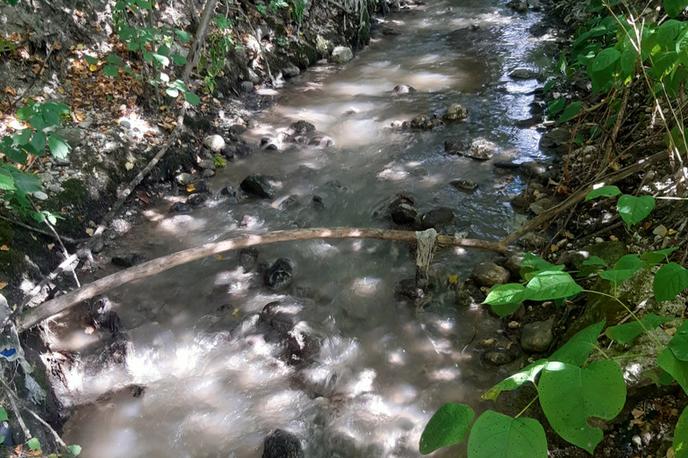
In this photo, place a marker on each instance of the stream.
(204, 377)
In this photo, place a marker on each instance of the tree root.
(155, 266)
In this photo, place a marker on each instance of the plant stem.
(527, 406)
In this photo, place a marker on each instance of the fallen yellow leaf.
(4, 248)
(93, 67)
(2, 285)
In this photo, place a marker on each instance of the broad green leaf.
(91, 60)
(595, 261)
(496, 435)
(679, 343)
(579, 347)
(33, 444)
(555, 107)
(628, 332)
(192, 98)
(517, 380)
(505, 299)
(675, 7)
(532, 264)
(178, 59)
(111, 70)
(58, 148)
(183, 36)
(605, 59)
(160, 59)
(624, 269)
(669, 281)
(114, 59)
(6, 180)
(172, 92)
(570, 112)
(74, 449)
(634, 209)
(570, 395)
(25, 182)
(3, 414)
(551, 284)
(657, 256)
(681, 435)
(676, 368)
(604, 191)
(38, 143)
(22, 137)
(447, 427)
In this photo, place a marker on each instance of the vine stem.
(527, 406)
(630, 312)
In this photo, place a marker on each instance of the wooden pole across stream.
(155, 266)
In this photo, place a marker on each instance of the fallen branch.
(155, 266)
(573, 199)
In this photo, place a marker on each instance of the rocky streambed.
(326, 348)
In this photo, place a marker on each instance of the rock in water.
(301, 127)
(437, 217)
(258, 185)
(536, 337)
(490, 274)
(342, 54)
(402, 211)
(523, 74)
(464, 185)
(481, 150)
(282, 444)
(455, 112)
(214, 143)
(403, 89)
(279, 275)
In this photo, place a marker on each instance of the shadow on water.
(214, 382)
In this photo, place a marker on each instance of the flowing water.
(215, 384)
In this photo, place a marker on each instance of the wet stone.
(501, 355)
(180, 207)
(455, 112)
(403, 89)
(197, 199)
(246, 86)
(458, 147)
(542, 205)
(402, 211)
(490, 274)
(322, 141)
(291, 71)
(481, 150)
(248, 259)
(437, 217)
(464, 185)
(279, 275)
(407, 290)
(231, 193)
(127, 260)
(318, 203)
(282, 444)
(259, 186)
(214, 143)
(555, 138)
(300, 346)
(184, 179)
(342, 54)
(301, 127)
(523, 73)
(279, 321)
(536, 337)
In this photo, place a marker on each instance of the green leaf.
(178, 59)
(676, 368)
(90, 59)
(497, 435)
(160, 59)
(669, 281)
(515, 381)
(679, 343)
(604, 191)
(605, 59)
(625, 268)
(33, 444)
(657, 256)
(532, 264)
(628, 332)
(3, 414)
(555, 107)
(681, 435)
(675, 7)
(448, 426)
(570, 395)
(183, 36)
(172, 92)
(22, 137)
(192, 98)
(114, 59)
(26, 183)
(595, 261)
(38, 143)
(634, 209)
(571, 111)
(505, 299)
(111, 70)
(6, 180)
(58, 148)
(74, 449)
(579, 347)
(551, 284)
